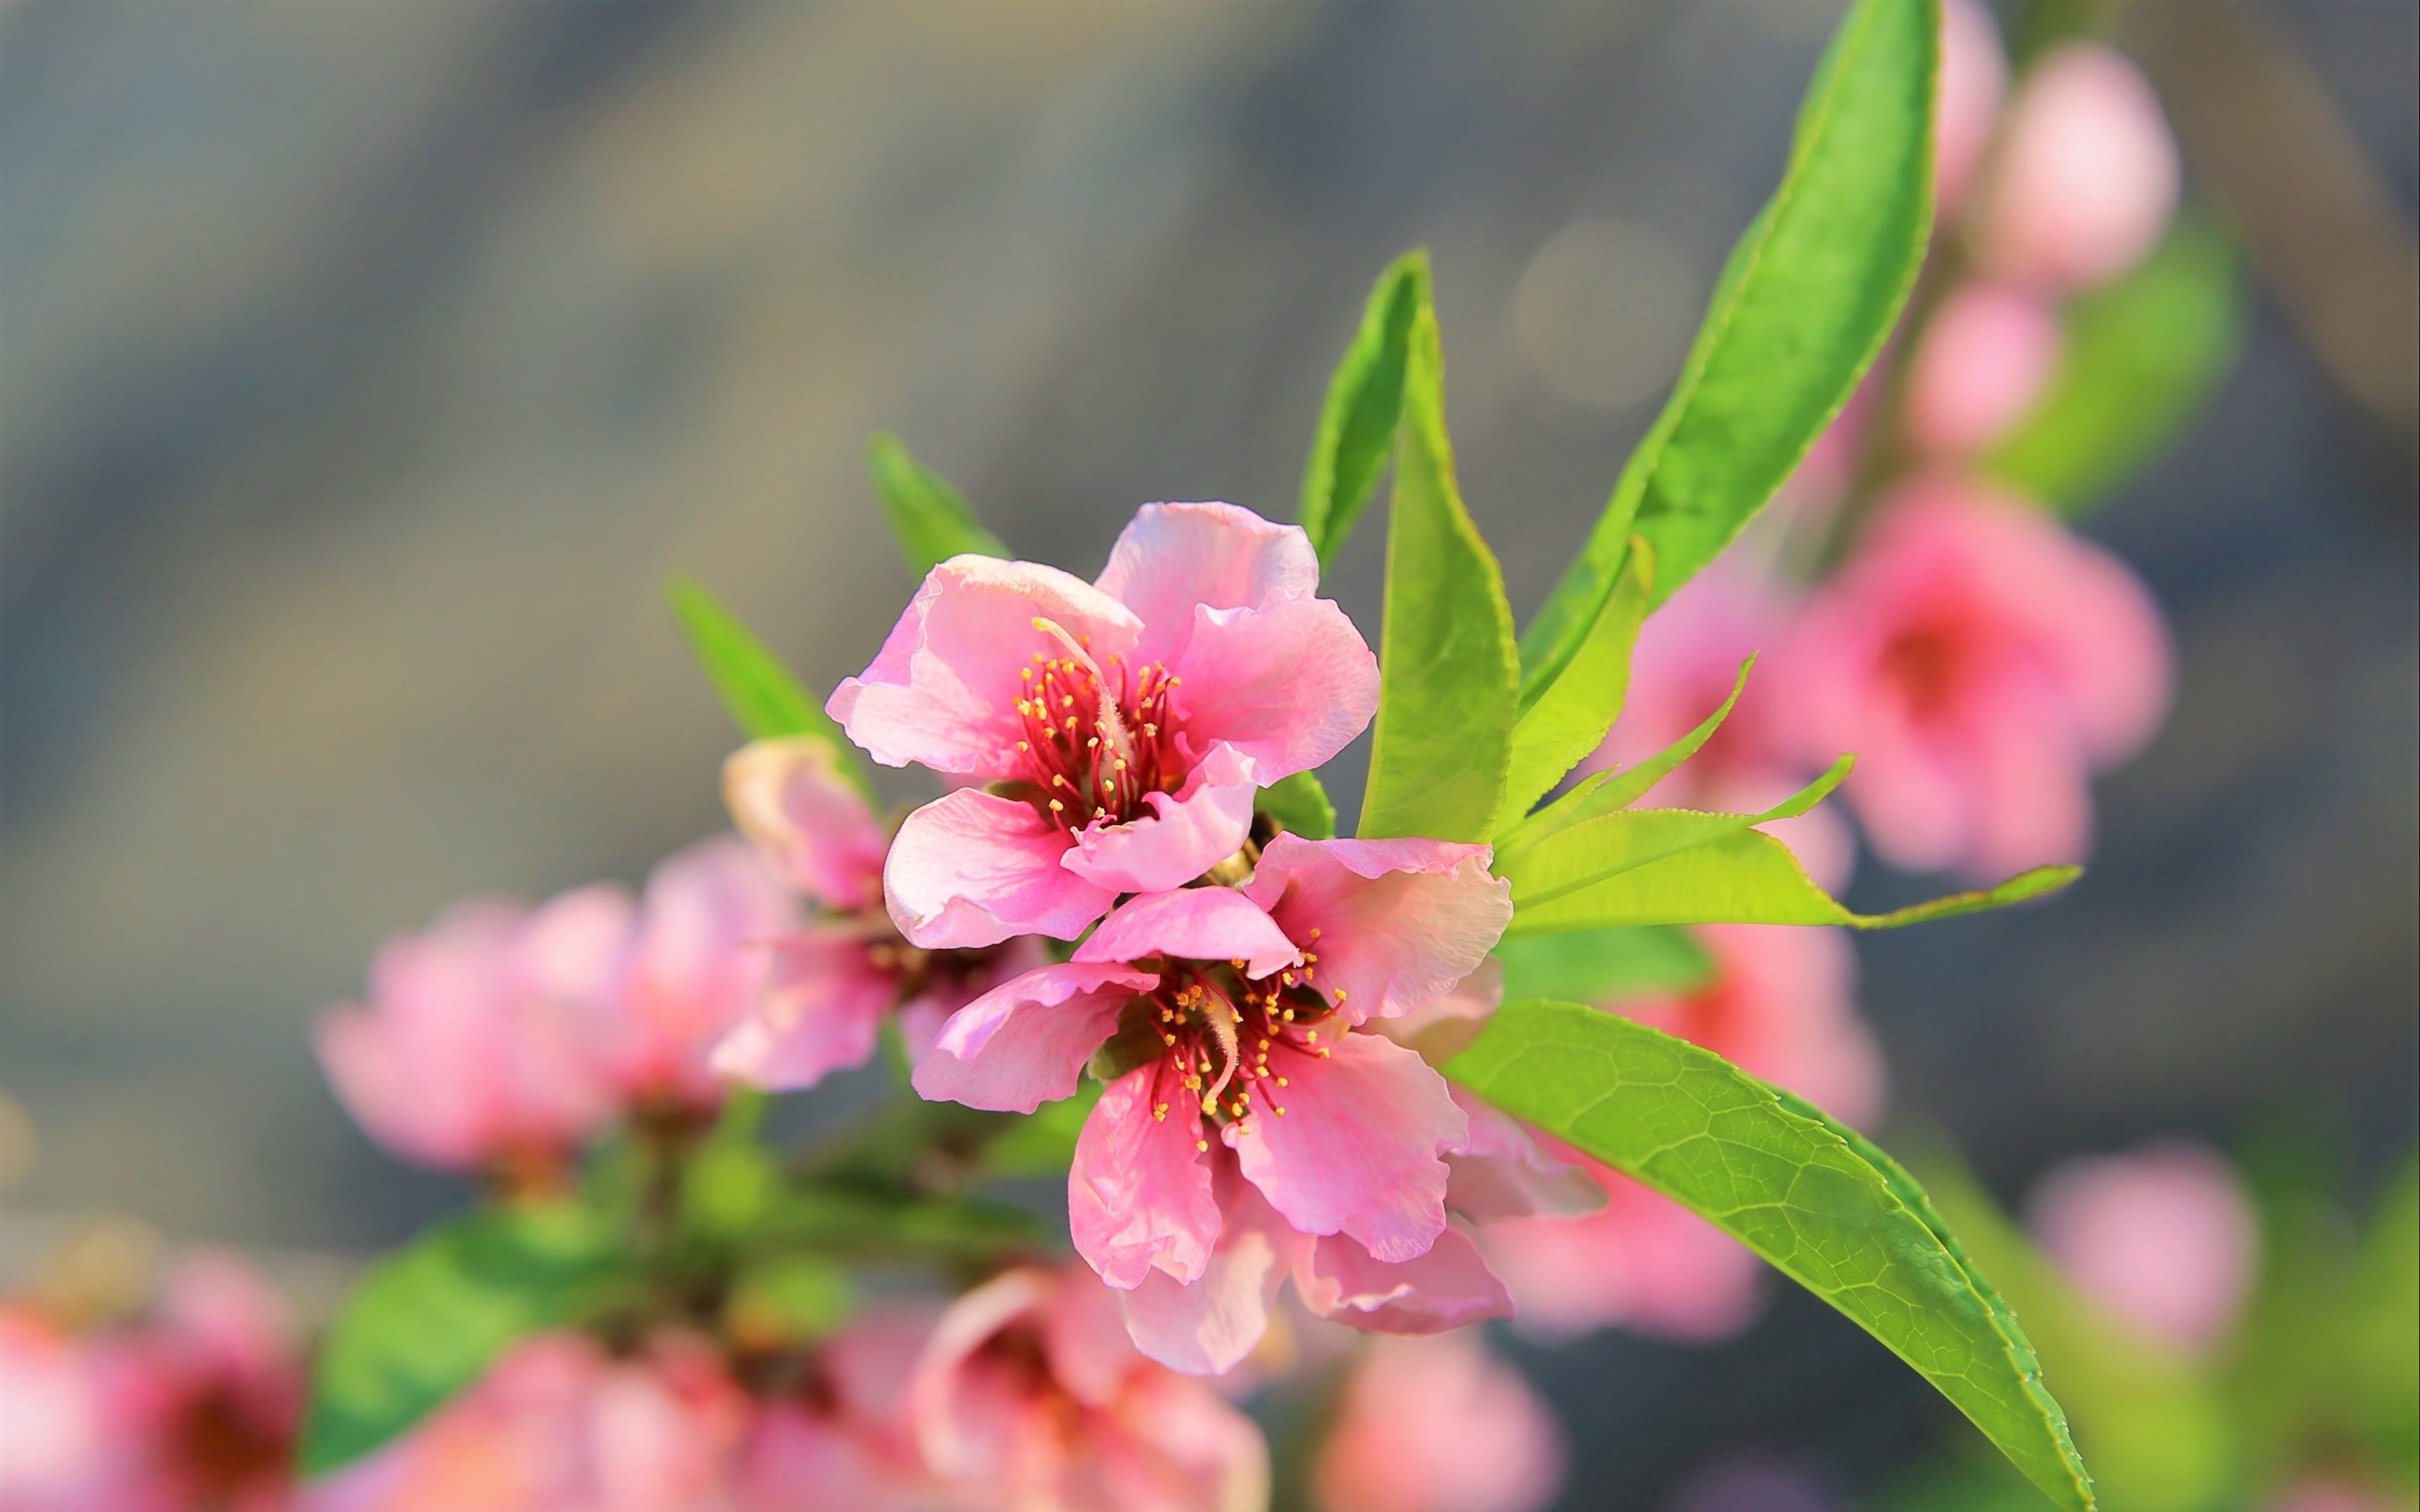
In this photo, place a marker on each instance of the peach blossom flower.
(1439, 1425)
(2086, 177)
(1974, 78)
(1982, 361)
(2164, 1239)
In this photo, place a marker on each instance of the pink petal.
(1084, 1338)
(1192, 924)
(2086, 177)
(1447, 1287)
(1983, 360)
(974, 868)
(2164, 1238)
(1186, 833)
(966, 1415)
(814, 828)
(943, 693)
(1643, 1262)
(1974, 76)
(1392, 923)
(1025, 1043)
(1503, 1172)
(1357, 1149)
(1430, 1425)
(706, 926)
(820, 1012)
(1179, 1447)
(1139, 1195)
(1174, 556)
(1287, 685)
(1209, 1326)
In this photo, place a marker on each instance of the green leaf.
(1299, 805)
(1608, 790)
(2141, 356)
(1449, 679)
(428, 1319)
(1748, 876)
(1803, 307)
(932, 520)
(764, 697)
(1356, 425)
(1043, 1143)
(1574, 860)
(1568, 719)
(1601, 965)
(1793, 1186)
(783, 1301)
(879, 1226)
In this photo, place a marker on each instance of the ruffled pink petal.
(1172, 557)
(1503, 1172)
(812, 825)
(1025, 1043)
(1179, 1447)
(967, 1416)
(821, 1012)
(1356, 1149)
(1138, 1195)
(1447, 1287)
(1186, 833)
(1392, 923)
(1287, 685)
(972, 869)
(1192, 924)
(1209, 1326)
(943, 693)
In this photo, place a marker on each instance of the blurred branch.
(2277, 153)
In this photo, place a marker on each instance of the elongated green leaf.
(1748, 876)
(1573, 861)
(1794, 1189)
(932, 519)
(1571, 715)
(1356, 425)
(2141, 356)
(427, 1321)
(1448, 677)
(1608, 790)
(764, 697)
(1602, 965)
(1299, 805)
(1803, 307)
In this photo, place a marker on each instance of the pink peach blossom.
(2322, 1493)
(1232, 1019)
(1439, 1425)
(2086, 176)
(836, 979)
(1132, 718)
(844, 1437)
(2164, 1238)
(1030, 1399)
(1982, 663)
(1687, 663)
(1983, 359)
(1974, 78)
(53, 1449)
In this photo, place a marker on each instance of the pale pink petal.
(1357, 1149)
(1025, 1042)
(1185, 835)
(813, 827)
(944, 691)
(1084, 1339)
(974, 868)
(1782, 1006)
(963, 1414)
(1138, 1195)
(1974, 77)
(2164, 1238)
(1642, 1261)
(1183, 1449)
(1172, 557)
(2086, 177)
(1439, 1426)
(1192, 924)
(1209, 1326)
(821, 1011)
(1287, 685)
(707, 928)
(1391, 923)
(1447, 1287)
(1983, 359)
(1503, 1172)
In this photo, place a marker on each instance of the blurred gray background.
(365, 368)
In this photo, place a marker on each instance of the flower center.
(1095, 740)
(1928, 662)
(1232, 1045)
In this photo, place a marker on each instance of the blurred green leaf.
(1299, 805)
(1803, 307)
(1356, 425)
(1448, 677)
(849, 1223)
(932, 520)
(1567, 721)
(764, 697)
(1045, 1142)
(1824, 1205)
(2141, 356)
(2384, 1368)
(428, 1319)
(1602, 965)
(787, 1300)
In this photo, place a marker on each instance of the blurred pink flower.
(1974, 78)
(1030, 1399)
(835, 978)
(52, 1456)
(1782, 1007)
(842, 1438)
(1685, 664)
(1232, 1012)
(1982, 663)
(1982, 361)
(1136, 715)
(1439, 1425)
(2164, 1238)
(2086, 176)
(2326, 1494)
